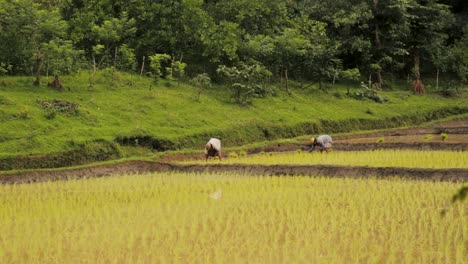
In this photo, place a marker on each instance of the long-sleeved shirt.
(215, 143)
(324, 140)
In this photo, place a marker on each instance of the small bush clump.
(22, 115)
(371, 93)
(5, 101)
(59, 105)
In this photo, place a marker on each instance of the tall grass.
(374, 158)
(207, 218)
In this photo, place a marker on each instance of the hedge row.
(85, 153)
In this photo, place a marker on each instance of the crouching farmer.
(213, 148)
(323, 142)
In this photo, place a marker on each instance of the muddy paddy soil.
(427, 138)
(140, 167)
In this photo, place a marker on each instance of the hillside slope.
(167, 116)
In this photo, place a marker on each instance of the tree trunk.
(142, 66)
(379, 77)
(370, 80)
(417, 58)
(378, 44)
(47, 70)
(39, 63)
(93, 74)
(286, 78)
(334, 79)
(115, 64)
(437, 79)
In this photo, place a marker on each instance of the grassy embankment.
(166, 116)
(200, 218)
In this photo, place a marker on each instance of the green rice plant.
(444, 136)
(381, 140)
(233, 155)
(374, 158)
(242, 153)
(226, 218)
(428, 137)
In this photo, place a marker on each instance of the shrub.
(201, 82)
(5, 101)
(51, 115)
(370, 92)
(245, 81)
(24, 114)
(450, 89)
(157, 63)
(62, 106)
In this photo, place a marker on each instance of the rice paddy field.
(375, 158)
(230, 218)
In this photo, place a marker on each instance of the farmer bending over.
(213, 148)
(323, 141)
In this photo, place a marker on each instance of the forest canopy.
(300, 39)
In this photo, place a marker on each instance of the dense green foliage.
(302, 39)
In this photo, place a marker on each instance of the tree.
(352, 75)
(178, 70)
(156, 64)
(111, 34)
(427, 22)
(320, 62)
(27, 28)
(61, 57)
(245, 81)
(221, 42)
(201, 82)
(291, 48)
(126, 58)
